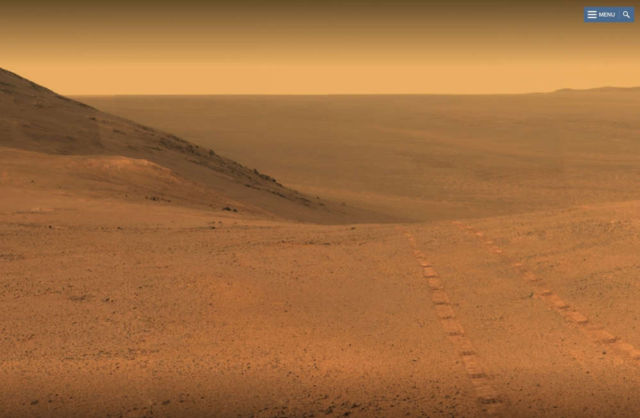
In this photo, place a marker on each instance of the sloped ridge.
(17, 86)
(605, 89)
(35, 118)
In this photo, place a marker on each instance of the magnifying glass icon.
(626, 14)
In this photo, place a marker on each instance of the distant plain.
(420, 157)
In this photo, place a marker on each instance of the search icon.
(626, 14)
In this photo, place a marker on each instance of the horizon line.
(560, 90)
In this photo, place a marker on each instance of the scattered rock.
(157, 199)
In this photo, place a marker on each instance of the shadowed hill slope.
(35, 119)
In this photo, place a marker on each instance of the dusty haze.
(307, 47)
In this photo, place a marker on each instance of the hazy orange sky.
(298, 47)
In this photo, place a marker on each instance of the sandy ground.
(129, 288)
(148, 309)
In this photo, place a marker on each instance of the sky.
(315, 47)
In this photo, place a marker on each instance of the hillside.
(80, 142)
